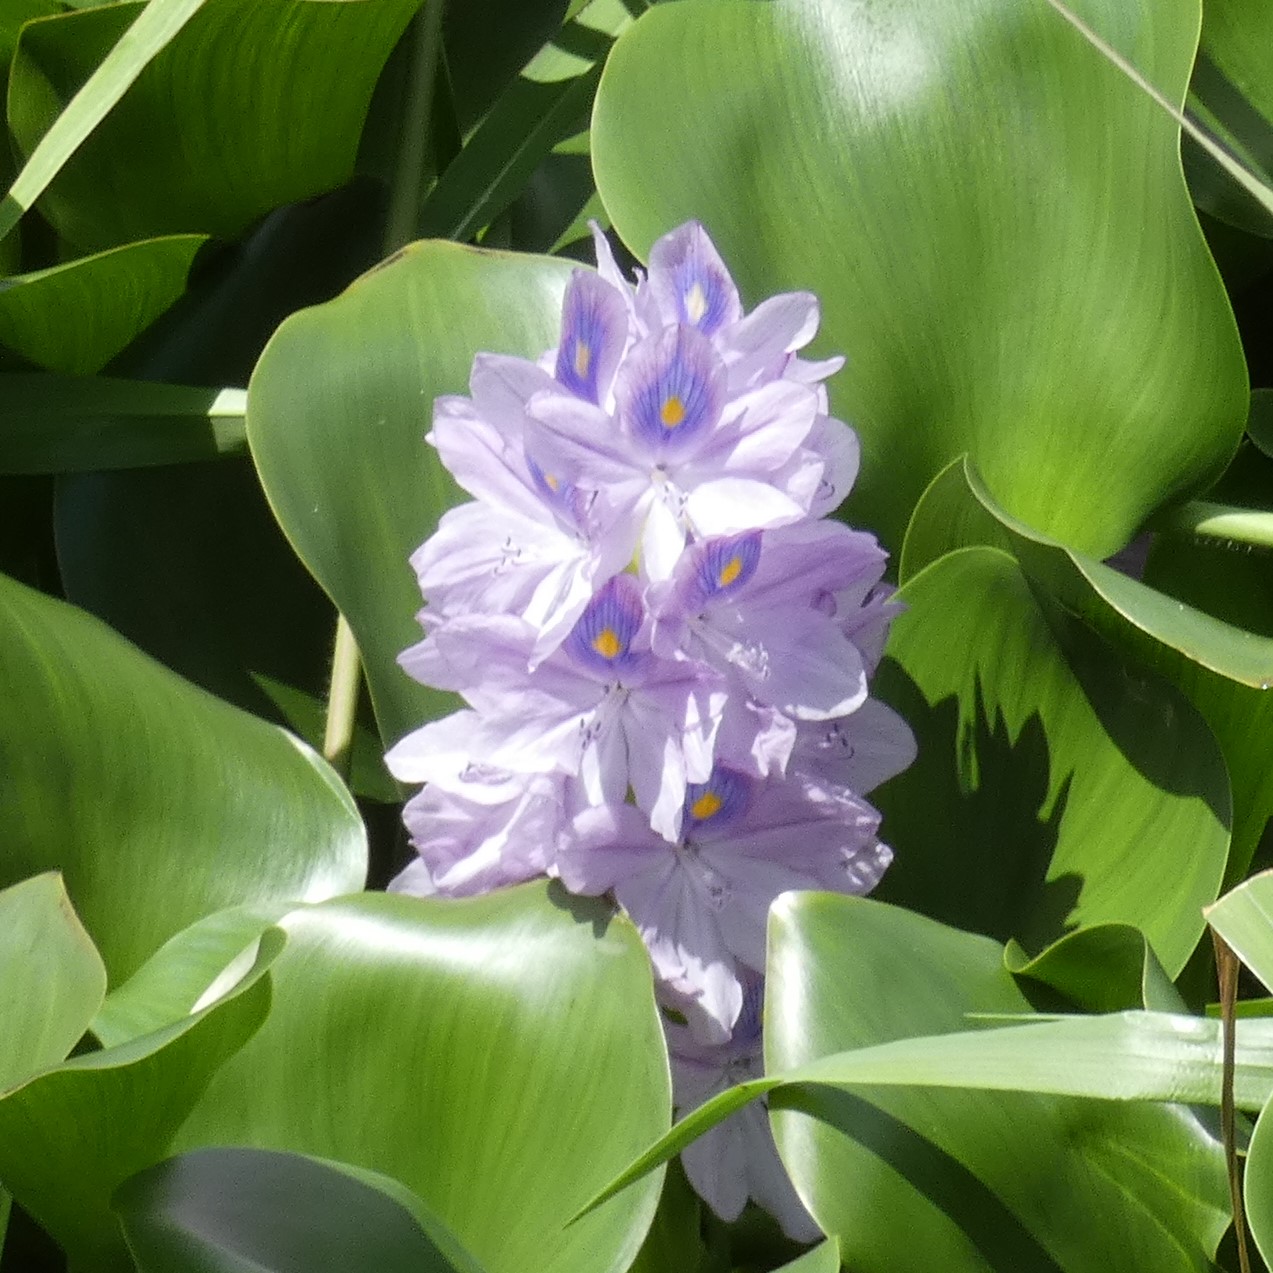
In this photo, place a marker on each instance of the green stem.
(342, 700)
(1227, 976)
(1223, 523)
(400, 224)
(413, 142)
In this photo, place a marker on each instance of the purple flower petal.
(594, 332)
(670, 390)
(690, 281)
(603, 635)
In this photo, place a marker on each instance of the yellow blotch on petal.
(672, 412)
(729, 572)
(695, 303)
(607, 643)
(705, 806)
(553, 483)
(583, 357)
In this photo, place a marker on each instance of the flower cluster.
(663, 644)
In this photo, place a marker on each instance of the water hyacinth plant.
(819, 817)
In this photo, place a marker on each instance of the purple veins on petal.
(724, 797)
(690, 280)
(725, 565)
(602, 637)
(673, 389)
(594, 330)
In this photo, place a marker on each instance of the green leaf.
(1221, 668)
(62, 129)
(1231, 94)
(71, 1135)
(824, 1258)
(912, 166)
(1244, 918)
(261, 104)
(337, 412)
(548, 103)
(159, 803)
(977, 1180)
(1105, 968)
(1257, 1185)
(51, 978)
(1056, 786)
(75, 318)
(674, 1243)
(1259, 424)
(67, 424)
(186, 969)
(235, 1210)
(500, 1056)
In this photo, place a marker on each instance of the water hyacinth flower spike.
(663, 647)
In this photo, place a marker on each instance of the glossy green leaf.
(1056, 785)
(1221, 668)
(75, 318)
(501, 1056)
(1244, 918)
(159, 803)
(1258, 1184)
(59, 130)
(51, 978)
(1231, 93)
(1259, 425)
(186, 970)
(1105, 968)
(824, 1258)
(253, 1211)
(70, 424)
(911, 164)
(70, 1136)
(337, 412)
(978, 1181)
(261, 103)
(549, 102)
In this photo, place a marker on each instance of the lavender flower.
(663, 648)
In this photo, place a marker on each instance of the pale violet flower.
(737, 1159)
(664, 649)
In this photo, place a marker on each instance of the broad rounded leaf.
(75, 318)
(253, 1211)
(500, 1056)
(1221, 668)
(337, 412)
(261, 103)
(185, 972)
(51, 977)
(159, 803)
(1258, 1184)
(1244, 918)
(71, 1135)
(1008, 258)
(975, 1181)
(1056, 786)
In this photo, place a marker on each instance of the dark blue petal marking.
(673, 393)
(721, 799)
(725, 565)
(602, 638)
